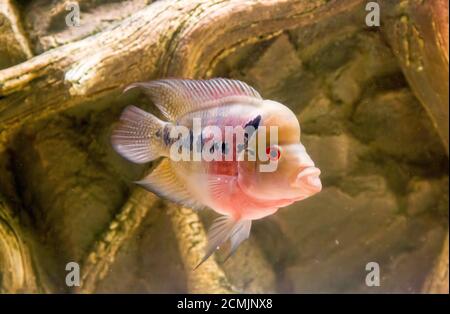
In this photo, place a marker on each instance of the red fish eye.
(273, 153)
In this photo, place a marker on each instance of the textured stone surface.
(45, 20)
(70, 196)
(322, 116)
(275, 65)
(150, 263)
(343, 148)
(14, 46)
(393, 123)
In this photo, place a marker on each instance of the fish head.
(295, 176)
(284, 169)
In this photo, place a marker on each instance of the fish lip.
(308, 171)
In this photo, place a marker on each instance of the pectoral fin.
(221, 186)
(164, 182)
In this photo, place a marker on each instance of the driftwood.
(418, 34)
(168, 38)
(18, 273)
(188, 39)
(437, 281)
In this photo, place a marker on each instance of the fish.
(240, 183)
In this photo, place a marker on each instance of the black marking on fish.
(252, 125)
(198, 142)
(166, 135)
(214, 147)
(191, 140)
(250, 128)
(225, 148)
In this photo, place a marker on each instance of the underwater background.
(373, 108)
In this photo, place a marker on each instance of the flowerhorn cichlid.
(223, 147)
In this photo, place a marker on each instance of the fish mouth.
(308, 179)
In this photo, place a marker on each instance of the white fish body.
(234, 189)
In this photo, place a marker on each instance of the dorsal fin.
(163, 182)
(176, 97)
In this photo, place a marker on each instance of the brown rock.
(343, 149)
(276, 64)
(393, 123)
(14, 46)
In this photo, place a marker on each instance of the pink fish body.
(249, 177)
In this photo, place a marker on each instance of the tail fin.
(136, 137)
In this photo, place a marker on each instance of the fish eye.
(273, 152)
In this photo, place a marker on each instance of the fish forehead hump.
(286, 121)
